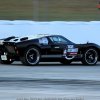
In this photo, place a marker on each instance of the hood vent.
(16, 40)
(9, 38)
(25, 38)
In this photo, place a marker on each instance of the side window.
(58, 39)
(54, 39)
(51, 39)
(61, 39)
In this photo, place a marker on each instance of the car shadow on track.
(73, 64)
(48, 64)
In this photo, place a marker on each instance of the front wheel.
(31, 56)
(90, 57)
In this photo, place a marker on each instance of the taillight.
(15, 47)
(17, 51)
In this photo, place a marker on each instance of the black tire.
(66, 62)
(31, 56)
(5, 62)
(90, 56)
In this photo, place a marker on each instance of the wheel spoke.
(32, 56)
(91, 56)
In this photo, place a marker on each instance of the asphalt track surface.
(50, 81)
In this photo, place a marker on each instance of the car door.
(58, 44)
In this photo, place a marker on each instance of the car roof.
(42, 35)
(32, 37)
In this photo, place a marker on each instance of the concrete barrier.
(79, 32)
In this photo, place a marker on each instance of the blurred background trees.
(49, 10)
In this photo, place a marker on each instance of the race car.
(31, 50)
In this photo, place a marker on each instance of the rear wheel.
(90, 57)
(31, 56)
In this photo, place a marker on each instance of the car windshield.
(71, 41)
(58, 39)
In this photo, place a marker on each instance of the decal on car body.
(70, 46)
(43, 41)
(65, 52)
(72, 52)
(40, 41)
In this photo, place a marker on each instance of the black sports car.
(31, 50)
